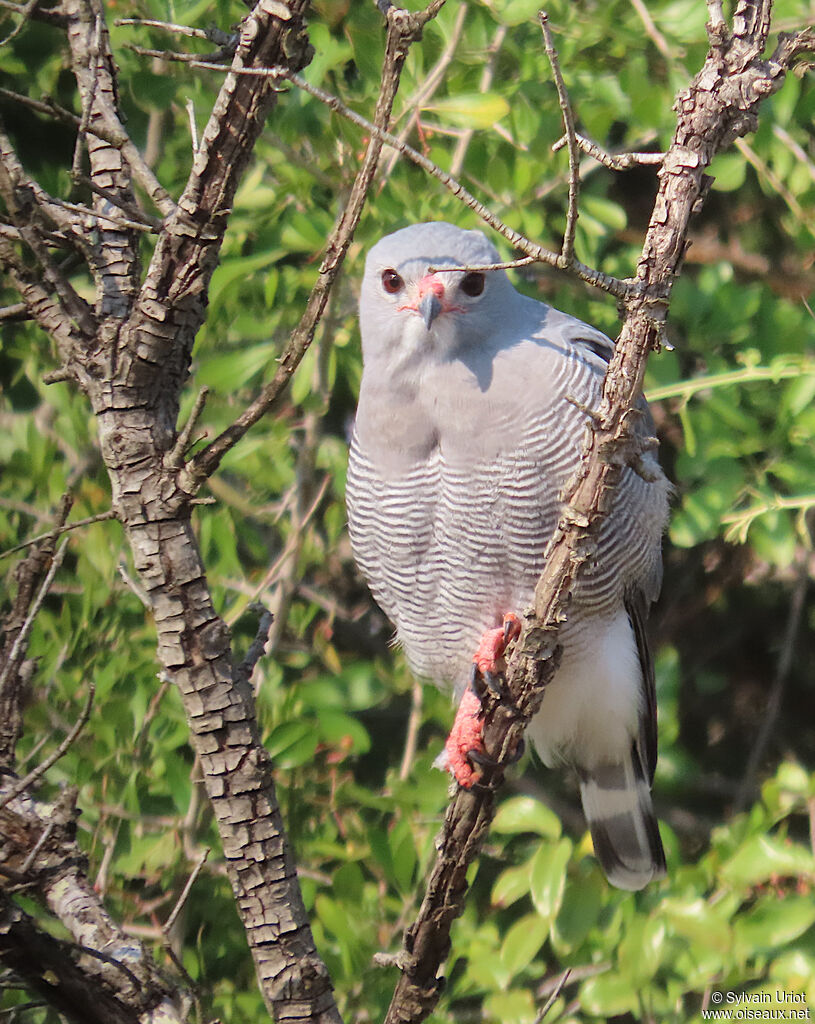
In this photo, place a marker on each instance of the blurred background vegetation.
(351, 735)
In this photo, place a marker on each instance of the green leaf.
(522, 943)
(548, 877)
(228, 372)
(511, 885)
(698, 922)
(774, 922)
(524, 814)
(513, 1007)
(729, 170)
(763, 857)
(471, 110)
(292, 744)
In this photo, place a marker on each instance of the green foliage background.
(734, 407)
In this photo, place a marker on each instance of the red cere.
(430, 283)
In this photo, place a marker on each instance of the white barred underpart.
(464, 438)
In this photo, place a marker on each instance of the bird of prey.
(472, 411)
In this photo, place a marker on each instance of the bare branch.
(223, 53)
(487, 75)
(212, 35)
(16, 311)
(20, 194)
(100, 518)
(652, 31)
(539, 254)
(561, 983)
(614, 161)
(431, 83)
(185, 892)
(25, 14)
(524, 261)
(567, 249)
(37, 773)
(258, 647)
(52, 16)
(776, 694)
(176, 456)
(22, 637)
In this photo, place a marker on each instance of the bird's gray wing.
(637, 606)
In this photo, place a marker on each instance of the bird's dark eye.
(392, 282)
(472, 284)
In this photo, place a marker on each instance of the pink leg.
(465, 736)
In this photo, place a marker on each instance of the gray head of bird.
(412, 308)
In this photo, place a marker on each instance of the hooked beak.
(429, 308)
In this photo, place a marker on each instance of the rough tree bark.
(130, 355)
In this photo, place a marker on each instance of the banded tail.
(617, 804)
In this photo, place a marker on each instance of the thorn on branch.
(592, 414)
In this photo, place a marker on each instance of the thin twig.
(561, 982)
(223, 53)
(17, 311)
(185, 892)
(25, 14)
(94, 54)
(134, 215)
(427, 89)
(413, 726)
(487, 75)
(42, 768)
(524, 261)
(53, 16)
(22, 637)
(133, 585)
(291, 544)
(795, 148)
(101, 517)
(763, 169)
(652, 31)
(115, 135)
(212, 35)
(28, 862)
(182, 444)
(614, 161)
(258, 646)
(567, 249)
(193, 126)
